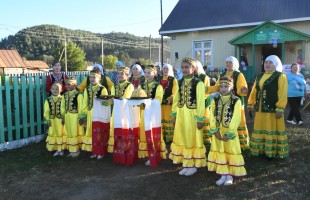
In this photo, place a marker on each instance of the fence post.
(8, 108)
(1, 114)
(24, 106)
(16, 107)
(38, 104)
(31, 102)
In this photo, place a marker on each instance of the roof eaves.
(230, 26)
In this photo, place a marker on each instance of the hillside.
(40, 43)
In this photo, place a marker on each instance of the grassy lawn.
(33, 173)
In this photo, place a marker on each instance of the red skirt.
(100, 137)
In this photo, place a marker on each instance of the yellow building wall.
(182, 43)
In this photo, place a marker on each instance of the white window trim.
(211, 48)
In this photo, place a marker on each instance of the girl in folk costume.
(71, 108)
(137, 77)
(122, 142)
(105, 80)
(151, 143)
(98, 118)
(225, 156)
(188, 110)
(201, 74)
(54, 120)
(56, 77)
(170, 87)
(269, 98)
(240, 90)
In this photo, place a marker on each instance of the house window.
(203, 52)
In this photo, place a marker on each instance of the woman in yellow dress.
(118, 141)
(137, 76)
(170, 87)
(151, 143)
(201, 74)
(97, 133)
(54, 120)
(268, 99)
(225, 156)
(240, 90)
(188, 112)
(105, 80)
(71, 109)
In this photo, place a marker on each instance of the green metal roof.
(267, 32)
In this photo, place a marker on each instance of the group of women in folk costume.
(187, 110)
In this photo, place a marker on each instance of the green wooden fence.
(21, 105)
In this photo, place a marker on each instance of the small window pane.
(207, 44)
(197, 45)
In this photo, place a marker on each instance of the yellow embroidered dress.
(188, 108)
(239, 83)
(52, 115)
(71, 109)
(123, 89)
(170, 87)
(90, 94)
(269, 136)
(225, 158)
(155, 91)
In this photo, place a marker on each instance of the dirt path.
(32, 173)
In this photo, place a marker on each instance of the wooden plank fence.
(22, 99)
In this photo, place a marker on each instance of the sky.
(138, 17)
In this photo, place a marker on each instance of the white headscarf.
(100, 68)
(276, 61)
(199, 67)
(170, 69)
(139, 68)
(234, 61)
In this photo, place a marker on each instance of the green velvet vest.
(268, 95)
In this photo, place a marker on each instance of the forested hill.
(40, 43)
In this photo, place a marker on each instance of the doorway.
(268, 50)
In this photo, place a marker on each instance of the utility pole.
(66, 54)
(102, 56)
(159, 60)
(150, 57)
(162, 37)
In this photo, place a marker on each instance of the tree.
(144, 61)
(75, 57)
(109, 61)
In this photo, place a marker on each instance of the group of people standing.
(191, 113)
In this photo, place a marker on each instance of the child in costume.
(71, 109)
(98, 118)
(240, 90)
(170, 87)
(54, 120)
(188, 112)
(225, 156)
(122, 143)
(151, 143)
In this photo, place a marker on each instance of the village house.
(250, 30)
(12, 63)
